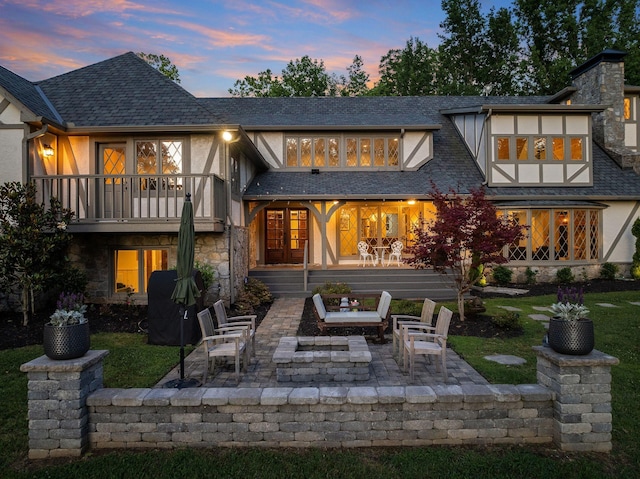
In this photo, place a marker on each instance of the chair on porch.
(396, 251)
(425, 318)
(363, 247)
(430, 344)
(229, 341)
(248, 320)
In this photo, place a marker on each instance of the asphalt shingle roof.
(380, 111)
(123, 91)
(26, 93)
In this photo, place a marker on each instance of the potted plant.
(570, 330)
(66, 335)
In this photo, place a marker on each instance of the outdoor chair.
(425, 318)
(248, 320)
(225, 342)
(396, 251)
(429, 344)
(363, 247)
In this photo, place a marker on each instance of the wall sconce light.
(47, 151)
(227, 136)
(411, 202)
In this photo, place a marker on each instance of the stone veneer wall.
(91, 253)
(68, 411)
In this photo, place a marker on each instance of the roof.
(123, 91)
(452, 168)
(370, 112)
(26, 93)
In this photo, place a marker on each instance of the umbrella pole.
(183, 312)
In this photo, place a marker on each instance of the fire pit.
(322, 358)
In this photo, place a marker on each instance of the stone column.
(57, 397)
(582, 404)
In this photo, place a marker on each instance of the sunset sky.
(213, 43)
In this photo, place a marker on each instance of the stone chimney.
(600, 81)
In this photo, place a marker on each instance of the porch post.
(323, 233)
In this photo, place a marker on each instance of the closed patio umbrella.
(186, 290)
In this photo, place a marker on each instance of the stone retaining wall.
(69, 411)
(320, 417)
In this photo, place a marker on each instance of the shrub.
(502, 275)
(609, 271)
(564, 276)
(73, 280)
(207, 272)
(507, 320)
(332, 288)
(530, 276)
(408, 307)
(254, 293)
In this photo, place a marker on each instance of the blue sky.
(213, 43)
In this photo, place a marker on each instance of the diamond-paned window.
(342, 151)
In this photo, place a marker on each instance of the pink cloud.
(83, 8)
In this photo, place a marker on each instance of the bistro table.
(380, 250)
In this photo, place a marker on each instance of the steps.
(401, 283)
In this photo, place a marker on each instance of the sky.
(212, 42)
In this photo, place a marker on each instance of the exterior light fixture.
(227, 136)
(412, 202)
(47, 151)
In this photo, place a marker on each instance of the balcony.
(136, 203)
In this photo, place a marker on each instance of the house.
(288, 180)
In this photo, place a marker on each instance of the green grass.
(133, 363)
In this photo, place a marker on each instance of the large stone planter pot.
(571, 337)
(66, 342)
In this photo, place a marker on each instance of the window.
(335, 151)
(133, 267)
(156, 158)
(576, 149)
(627, 108)
(557, 235)
(503, 148)
(558, 148)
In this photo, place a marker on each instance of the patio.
(282, 320)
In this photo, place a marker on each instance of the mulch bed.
(132, 319)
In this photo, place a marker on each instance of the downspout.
(486, 173)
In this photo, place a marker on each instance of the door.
(112, 198)
(286, 233)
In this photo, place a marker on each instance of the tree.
(467, 232)
(162, 64)
(33, 241)
(463, 60)
(406, 72)
(301, 77)
(356, 82)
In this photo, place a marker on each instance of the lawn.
(133, 363)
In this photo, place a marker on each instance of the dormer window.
(539, 150)
(342, 151)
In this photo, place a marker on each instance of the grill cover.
(164, 315)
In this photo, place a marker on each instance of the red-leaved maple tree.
(467, 232)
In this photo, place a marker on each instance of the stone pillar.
(57, 397)
(582, 404)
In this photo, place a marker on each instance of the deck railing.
(135, 198)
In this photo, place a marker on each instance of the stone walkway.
(282, 320)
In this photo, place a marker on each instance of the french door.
(113, 201)
(287, 230)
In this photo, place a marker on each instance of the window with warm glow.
(627, 108)
(341, 151)
(133, 267)
(556, 235)
(503, 149)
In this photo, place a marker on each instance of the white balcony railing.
(135, 199)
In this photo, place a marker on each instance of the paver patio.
(283, 319)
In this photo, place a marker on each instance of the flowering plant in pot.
(570, 329)
(66, 335)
